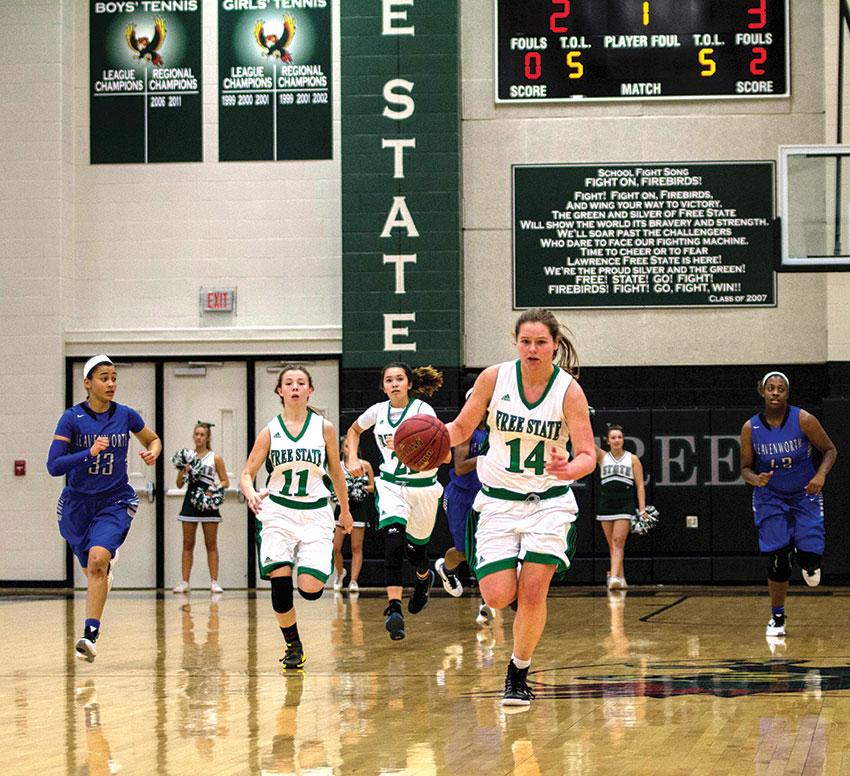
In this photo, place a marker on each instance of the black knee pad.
(393, 555)
(310, 596)
(779, 564)
(417, 554)
(810, 561)
(282, 594)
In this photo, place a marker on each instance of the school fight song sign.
(145, 81)
(274, 66)
(400, 182)
(661, 234)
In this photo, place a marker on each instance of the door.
(213, 392)
(136, 389)
(325, 399)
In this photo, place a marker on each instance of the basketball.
(421, 442)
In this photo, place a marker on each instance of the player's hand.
(558, 464)
(255, 500)
(346, 522)
(148, 457)
(100, 444)
(762, 479)
(355, 468)
(815, 485)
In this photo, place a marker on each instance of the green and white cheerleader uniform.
(402, 496)
(617, 494)
(201, 482)
(523, 513)
(295, 524)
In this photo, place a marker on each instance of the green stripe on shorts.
(492, 568)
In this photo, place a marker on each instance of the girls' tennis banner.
(400, 182)
(145, 82)
(274, 69)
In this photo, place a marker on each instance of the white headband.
(93, 362)
(775, 374)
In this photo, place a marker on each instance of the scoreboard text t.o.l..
(550, 50)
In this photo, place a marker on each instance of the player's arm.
(829, 452)
(59, 460)
(748, 458)
(221, 471)
(464, 463)
(640, 489)
(577, 416)
(151, 442)
(370, 473)
(258, 454)
(461, 428)
(352, 445)
(337, 476)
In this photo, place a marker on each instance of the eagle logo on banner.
(271, 45)
(144, 48)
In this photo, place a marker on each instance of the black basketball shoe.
(421, 592)
(517, 691)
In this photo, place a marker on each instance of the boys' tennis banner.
(145, 82)
(274, 69)
(400, 182)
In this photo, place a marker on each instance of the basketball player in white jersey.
(295, 520)
(406, 500)
(525, 508)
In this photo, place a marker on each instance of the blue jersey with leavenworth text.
(785, 451)
(82, 426)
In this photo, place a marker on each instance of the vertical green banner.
(274, 69)
(145, 82)
(400, 182)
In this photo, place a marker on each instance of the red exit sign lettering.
(218, 300)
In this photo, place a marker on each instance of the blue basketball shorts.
(794, 519)
(457, 502)
(100, 520)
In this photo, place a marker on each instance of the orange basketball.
(421, 442)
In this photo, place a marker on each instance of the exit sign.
(218, 300)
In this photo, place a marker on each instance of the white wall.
(159, 232)
(34, 236)
(494, 137)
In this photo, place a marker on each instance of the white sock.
(520, 663)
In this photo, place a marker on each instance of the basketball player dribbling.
(406, 500)
(525, 507)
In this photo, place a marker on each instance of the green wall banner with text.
(660, 234)
(274, 69)
(400, 182)
(145, 82)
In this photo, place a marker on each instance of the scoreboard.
(563, 50)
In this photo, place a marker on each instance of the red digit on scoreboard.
(759, 58)
(559, 15)
(533, 68)
(760, 12)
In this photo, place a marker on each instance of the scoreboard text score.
(561, 50)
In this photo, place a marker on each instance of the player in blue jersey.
(97, 505)
(459, 495)
(776, 459)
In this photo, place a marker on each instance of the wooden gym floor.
(658, 681)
